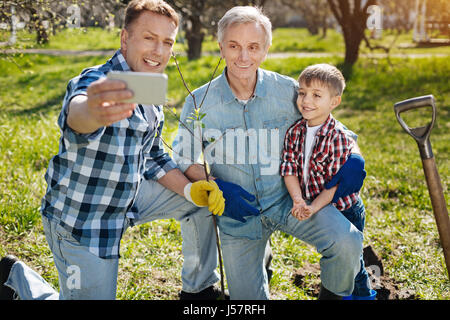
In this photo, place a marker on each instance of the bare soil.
(308, 278)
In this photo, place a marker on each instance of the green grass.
(70, 39)
(284, 40)
(294, 40)
(400, 224)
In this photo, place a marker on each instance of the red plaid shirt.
(331, 149)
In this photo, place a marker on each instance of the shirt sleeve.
(348, 133)
(340, 149)
(78, 86)
(290, 155)
(158, 161)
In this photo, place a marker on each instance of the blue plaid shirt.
(94, 178)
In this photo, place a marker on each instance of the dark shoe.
(210, 293)
(6, 264)
(268, 260)
(326, 294)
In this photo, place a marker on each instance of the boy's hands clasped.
(301, 210)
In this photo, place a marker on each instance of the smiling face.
(148, 42)
(244, 48)
(316, 101)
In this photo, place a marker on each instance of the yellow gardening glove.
(205, 194)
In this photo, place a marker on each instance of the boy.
(315, 148)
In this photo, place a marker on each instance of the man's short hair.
(244, 14)
(326, 74)
(136, 7)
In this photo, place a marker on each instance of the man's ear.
(267, 52)
(220, 47)
(123, 41)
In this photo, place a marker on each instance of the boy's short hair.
(136, 7)
(326, 74)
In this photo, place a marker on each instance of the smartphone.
(148, 88)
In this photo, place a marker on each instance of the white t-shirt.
(309, 146)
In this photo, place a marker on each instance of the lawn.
(399, 225)
(284, 40)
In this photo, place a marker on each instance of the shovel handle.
(414, 103)
(439, 207)
(420, 134)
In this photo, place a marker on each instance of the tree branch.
(209, 83)
(205, 167)
(335, 11)
(182, 78)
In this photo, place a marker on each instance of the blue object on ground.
(373, 295)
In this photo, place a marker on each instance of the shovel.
(422, 137)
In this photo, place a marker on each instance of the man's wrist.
(78, 118)
(195, 172)
(187, 192)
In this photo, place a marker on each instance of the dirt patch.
(308, 278)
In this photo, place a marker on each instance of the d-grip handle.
(420, 134)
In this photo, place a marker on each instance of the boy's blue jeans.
(84, 276)
(357, 216)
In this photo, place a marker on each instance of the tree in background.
(316, 14)
(36, 11)
(438, 15)
(352, 16)
(47, 16)
(194, 22)
(398, 14)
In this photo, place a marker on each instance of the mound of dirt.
(308, 278)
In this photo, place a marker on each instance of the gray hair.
(326, 74)
(244, 14)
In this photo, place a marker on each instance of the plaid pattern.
(94, 178)
(331, 149)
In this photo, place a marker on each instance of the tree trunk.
(352, 42)
(353, 24)
(313, 28)
(42, 35)
(324, 26)
(194, 37)
(194, 42)
(353, 36)
(36, 21)
(324, 32)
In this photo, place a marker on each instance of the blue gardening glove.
(350, 177)
(236, 206)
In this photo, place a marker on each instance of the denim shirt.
(243, 143)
